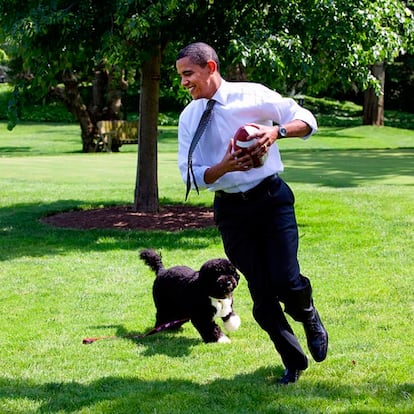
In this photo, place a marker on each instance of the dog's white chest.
(223, 307)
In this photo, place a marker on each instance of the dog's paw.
(224, 339)
(233, 323)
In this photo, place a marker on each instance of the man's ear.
(212, 66)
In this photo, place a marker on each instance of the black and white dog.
(181, 293)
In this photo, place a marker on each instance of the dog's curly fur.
(181, 293)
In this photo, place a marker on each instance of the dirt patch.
(169, 218)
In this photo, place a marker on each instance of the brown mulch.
(169, 218)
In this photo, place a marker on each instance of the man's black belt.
(249, 194)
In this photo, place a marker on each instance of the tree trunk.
(373, 103)
(117, 85)
(73, 101)
(105, 103)
(99, 88)
(146, 187)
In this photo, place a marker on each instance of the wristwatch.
(282, 132)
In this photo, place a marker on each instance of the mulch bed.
(169, 218)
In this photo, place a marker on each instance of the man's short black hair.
(199, 53)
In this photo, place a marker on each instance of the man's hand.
(266, 136)
(232, 161)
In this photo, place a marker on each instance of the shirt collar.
(222, 92)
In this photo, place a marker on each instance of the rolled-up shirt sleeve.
(287, 110)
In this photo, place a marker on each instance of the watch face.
(282, 131)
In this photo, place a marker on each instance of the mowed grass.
(354, 204)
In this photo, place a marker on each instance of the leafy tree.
(311, 46)
(56, 50)
(292, 45)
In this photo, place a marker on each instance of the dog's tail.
(152, 259)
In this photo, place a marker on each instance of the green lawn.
(355, 208)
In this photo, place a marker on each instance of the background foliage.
(304, 47)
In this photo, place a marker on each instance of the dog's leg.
(210, 331)
(224, 339)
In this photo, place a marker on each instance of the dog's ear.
(208, 271)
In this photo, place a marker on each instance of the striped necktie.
(204, 120)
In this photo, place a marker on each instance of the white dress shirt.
(237, 103)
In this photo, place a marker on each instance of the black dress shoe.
(316, 336)
(290, 376)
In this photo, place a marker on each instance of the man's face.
(196, 79)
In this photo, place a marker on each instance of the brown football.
(242, 140)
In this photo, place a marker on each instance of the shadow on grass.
(154, 345)
(11, 150)
(255, 392)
